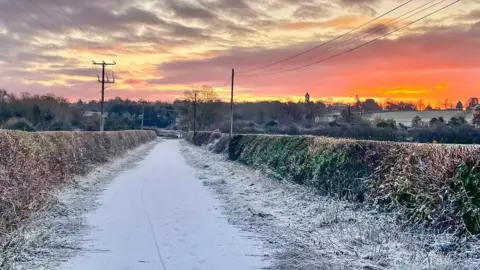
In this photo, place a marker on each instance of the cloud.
(413, 61)
(189, 11)
(340, 22)
(312, 11)
(192, 42)
(366, 6)
(472, 15)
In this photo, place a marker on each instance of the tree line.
(49, 112)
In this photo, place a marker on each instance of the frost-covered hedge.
(31, 164)
(435, 185)
(217, 142)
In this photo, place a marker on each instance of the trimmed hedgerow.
(436, 186)
(31, 164)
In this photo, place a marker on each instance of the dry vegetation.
(32, 164)
(435, 186)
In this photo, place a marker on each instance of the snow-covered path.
(158, 215)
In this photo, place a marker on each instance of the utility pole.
(231, 104)
(103, 82)
(143, 114)
(195, 113)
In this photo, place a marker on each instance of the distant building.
(93, 113)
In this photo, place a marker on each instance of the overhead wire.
(371, 31)
(75, 23)
(327, 42)
(29, 15)
(357, 47)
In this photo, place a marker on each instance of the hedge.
(31, 164)
(435, 185)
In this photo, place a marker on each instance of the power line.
(33, 2)
(373, 30)
(29, 15)
(225, 85)
(75, 23)
(357, 47)
(66, 14)
(327, 42)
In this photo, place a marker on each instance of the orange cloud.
(132, 81)
(340, 22)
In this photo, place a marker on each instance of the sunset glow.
(166, 47)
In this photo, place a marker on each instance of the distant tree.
(307, 98)
(434, 122)
(347, 115)
(387, 124)
(370, 105)
(37, 114)
(416, 121)
(206, 105)
(472, 103)
(357, 106)
(447, 104)
(420, 105)
(457, 121)
(459, 105)
(428, 108)
(476, 116)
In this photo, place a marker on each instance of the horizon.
(164, 48)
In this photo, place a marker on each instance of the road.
(158, 215)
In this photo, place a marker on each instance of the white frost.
(188, 228)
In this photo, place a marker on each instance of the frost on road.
(183, 207)
(157, 215)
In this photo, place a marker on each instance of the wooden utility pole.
(231, 104)
(143, 114)
(195, 113)
(103, 82)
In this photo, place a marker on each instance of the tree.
(428, 108)
(416, 121)
(420, 105)
(357, 106)
(434, 122)
(206, 105)
(447, 104)
(472, 103)
(370, 105)
(457, 121)
(476, 116)
(459, 105)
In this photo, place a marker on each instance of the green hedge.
(435, 185)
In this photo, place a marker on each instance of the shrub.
(31, 164)
(16, 123)
(434, 185)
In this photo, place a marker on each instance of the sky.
(165, 47)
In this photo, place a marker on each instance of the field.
(405, 118)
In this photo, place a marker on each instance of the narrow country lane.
(158, 215)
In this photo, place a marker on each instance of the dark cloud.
(80, 72)
(189, 11)
(364, 6)
(312, 11)
(240, 9)
(376, 30)
(472, 15)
